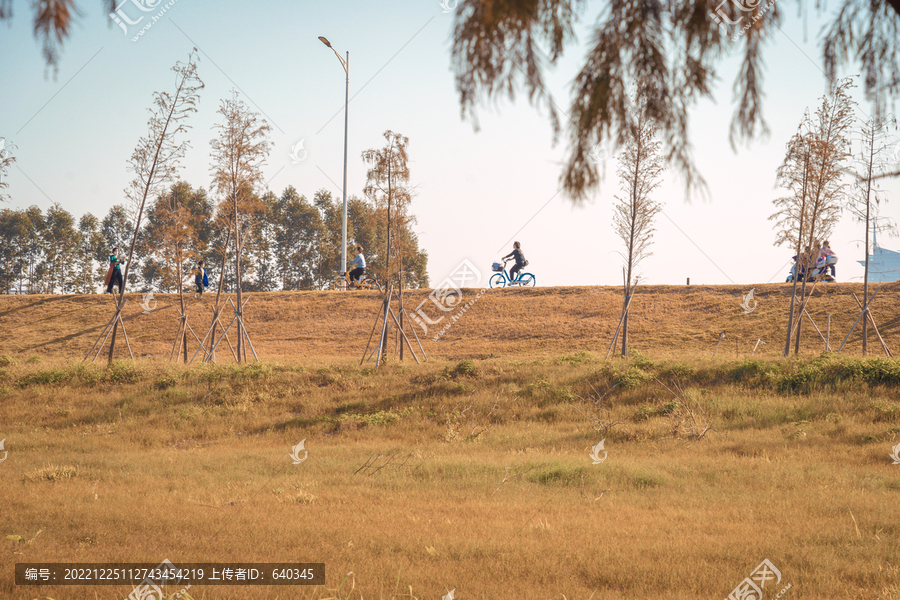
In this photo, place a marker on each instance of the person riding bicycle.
(360, 270)
(519, 258)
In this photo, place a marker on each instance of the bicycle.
(343, 283)
(501, 279)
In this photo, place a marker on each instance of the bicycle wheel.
(526, 280)
(498, 280)
(368, 284)
(340, 284)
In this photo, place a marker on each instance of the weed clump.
(464, 368)
(885, 411)
(122, 371)
(165, 382)
(53, 473)
(634, 377)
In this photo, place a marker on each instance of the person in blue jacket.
(200, 280)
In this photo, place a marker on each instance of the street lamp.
(346, 65)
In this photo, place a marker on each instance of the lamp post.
(346, 65)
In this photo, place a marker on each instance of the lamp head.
(325, 41)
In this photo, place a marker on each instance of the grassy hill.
(475, 471)
(283, 325)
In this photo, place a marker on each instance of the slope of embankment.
(665, 321)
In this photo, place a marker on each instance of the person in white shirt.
(360, 262)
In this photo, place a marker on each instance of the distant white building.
(884, 264)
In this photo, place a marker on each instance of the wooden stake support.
(612, 344)
(242, 330)
(382, 316)
(865, 308)
(803, 309)
(871, 320)
(183, 328)
(721, 337)
(211, 356)
(758, 342)
(108, 329)
(816, 327)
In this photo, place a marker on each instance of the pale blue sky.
(477, 191)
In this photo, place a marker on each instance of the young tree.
(156, 158)
(415, 260)
(812, 170)
(238, 154)
(370, 232)
(865, 199)
(178, 245)
(164, 249)
(387, 186)
(640, 167)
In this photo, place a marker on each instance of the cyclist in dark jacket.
(520, 260)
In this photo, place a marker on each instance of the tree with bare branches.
(176, 242)
(155, 160)
(865, 198)
(812, 171)
(387, 186)
(238, 154)
(639, 171)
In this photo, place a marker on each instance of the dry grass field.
(471, 471)
(522, 322)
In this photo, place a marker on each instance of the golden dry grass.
(469, 474)
(522, 322)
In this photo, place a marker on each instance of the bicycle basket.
(497, 266)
